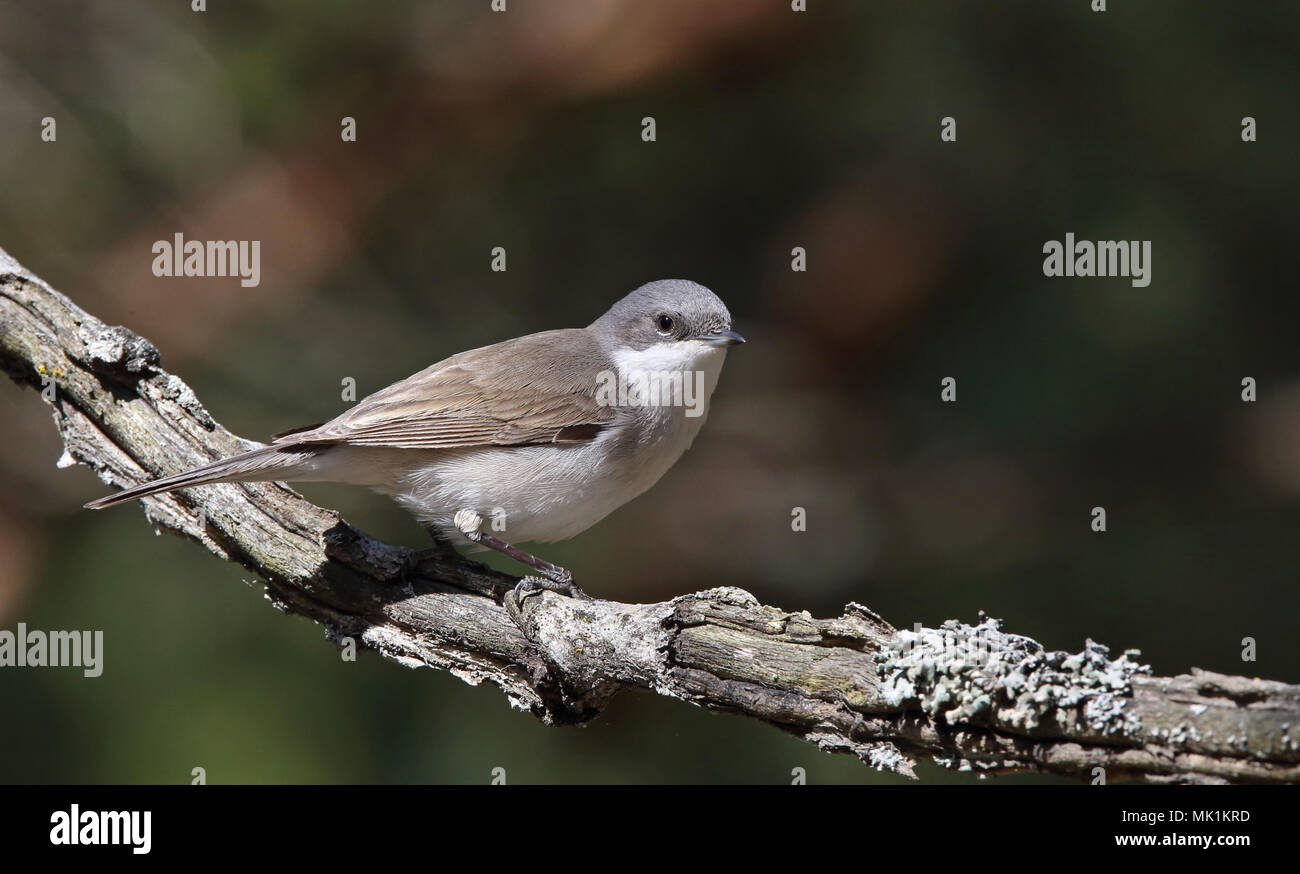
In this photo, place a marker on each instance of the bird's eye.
(664, 322)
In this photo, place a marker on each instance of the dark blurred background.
(775, 129)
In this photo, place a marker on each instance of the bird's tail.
(265, 463)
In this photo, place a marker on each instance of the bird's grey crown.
(631, 322)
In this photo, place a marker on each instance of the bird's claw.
(561, 584)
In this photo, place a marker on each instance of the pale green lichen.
(960, 673)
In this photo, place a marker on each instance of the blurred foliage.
(774, 130)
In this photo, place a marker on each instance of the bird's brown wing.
(536, 389)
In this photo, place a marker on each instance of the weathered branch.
(970, 697)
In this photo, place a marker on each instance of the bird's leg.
(553, 577)
(442, 548)
(444, 551)
(442, 545)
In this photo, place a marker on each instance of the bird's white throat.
(679, 374)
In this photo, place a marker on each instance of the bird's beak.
(722, 338)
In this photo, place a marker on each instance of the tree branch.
(971, 697)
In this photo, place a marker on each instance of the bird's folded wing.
(535, 389)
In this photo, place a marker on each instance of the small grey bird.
(545, 434)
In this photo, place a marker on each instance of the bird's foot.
(412, 561)
(560, 583)
(549, 577)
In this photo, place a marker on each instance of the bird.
(545, 434)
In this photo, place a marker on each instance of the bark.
(970, 697)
